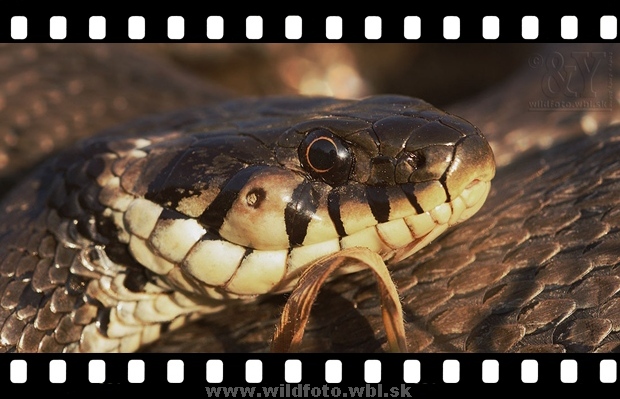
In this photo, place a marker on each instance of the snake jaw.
(398, 239)
(443, 216)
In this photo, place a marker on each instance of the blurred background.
(439, 73)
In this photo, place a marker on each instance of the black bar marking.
(156, 189)
(443, 180)
(135, 279)
(215, 213)
(409, 190)
(247, 253)
(168, 214)
(333, 207)
(103, 320)
(299, 212)
(379, 203)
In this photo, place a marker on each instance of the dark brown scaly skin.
(533, 271)
(52, 95)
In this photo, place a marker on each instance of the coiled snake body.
(122, 237)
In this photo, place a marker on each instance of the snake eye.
(326, 157)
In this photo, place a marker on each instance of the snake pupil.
(325, 156)
(322, 154)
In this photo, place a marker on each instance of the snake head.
(391, 173)
(242, 202)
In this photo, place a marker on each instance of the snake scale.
(534, 270)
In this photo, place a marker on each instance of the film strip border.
(283, 373)
(194, 27)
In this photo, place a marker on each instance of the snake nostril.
(416, 159)
(407, 163)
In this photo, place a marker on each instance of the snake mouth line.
(225, 268)
(444, 216)
(396, 239)
(472, 184)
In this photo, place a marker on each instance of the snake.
(130, 234)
